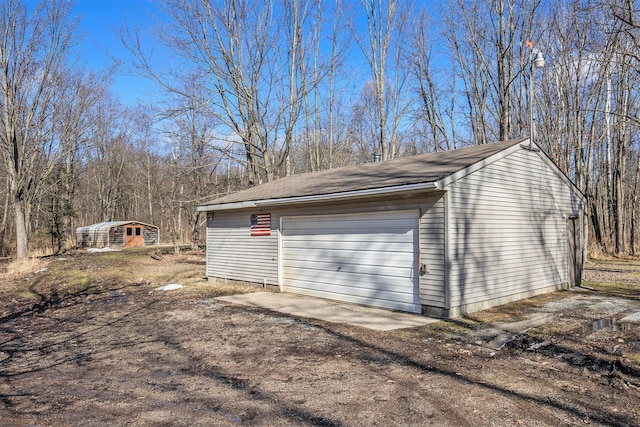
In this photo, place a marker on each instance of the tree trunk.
(504, 111)
(149, 192)
(618, 199)
(22, 229)
(293, 89)
(634, 205)
(195, 235)
(5, 222)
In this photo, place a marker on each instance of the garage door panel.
(338, 257)
(364, 300)
(350, 246)
(367, 259)
(337, 291)
(344, 287)
(352, 238)
(348, 233)
(316, 269)
(353, 272)
(350, 226)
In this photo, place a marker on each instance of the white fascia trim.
(226, 206)
(322, 197)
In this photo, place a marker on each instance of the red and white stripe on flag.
(261, 224)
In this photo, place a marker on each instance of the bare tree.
(5, 223)
(34, 50)
(109, 160)
(295, 15)
(321, 74)
(72, 130)
(249, 58)
(571, 90)
(486, 46)
(590, 101)
(193, 162)
(382, 49)
(429, 108)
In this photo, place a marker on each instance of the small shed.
(117, 234)
(441, 234)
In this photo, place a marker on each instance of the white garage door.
(365, 259)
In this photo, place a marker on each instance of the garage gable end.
(507, 231)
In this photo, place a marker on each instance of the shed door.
(368, 259)
(132, 235)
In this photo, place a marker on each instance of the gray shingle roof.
(419, 169)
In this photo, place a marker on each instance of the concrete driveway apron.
(330, 311)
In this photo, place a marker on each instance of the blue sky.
(100, 23)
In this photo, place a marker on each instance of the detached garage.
(441, 234)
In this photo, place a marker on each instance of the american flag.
(261, 224)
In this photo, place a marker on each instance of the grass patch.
(25, 267)
(609, 286)
(25, 293)
(635, 358)
(617, 289)
(568, 327)
(77, 282)
(207, 289)
(170, 270)
(441, 330)
(631, 261)
(453, 326)
(203, 289)
(110, 256)
(517, 310)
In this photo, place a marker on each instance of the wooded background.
(251, 91)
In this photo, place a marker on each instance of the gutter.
(321, 197)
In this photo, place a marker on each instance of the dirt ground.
(87, 340)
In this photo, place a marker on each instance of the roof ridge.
(420, 168)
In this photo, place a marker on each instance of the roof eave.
(384, 191)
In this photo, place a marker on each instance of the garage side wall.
(508, 231)
(233, 253)
(432, 253)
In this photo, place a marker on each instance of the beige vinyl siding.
(432, 284)
(507, 229)
(232, 252)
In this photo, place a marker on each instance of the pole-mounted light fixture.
(536, 60)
